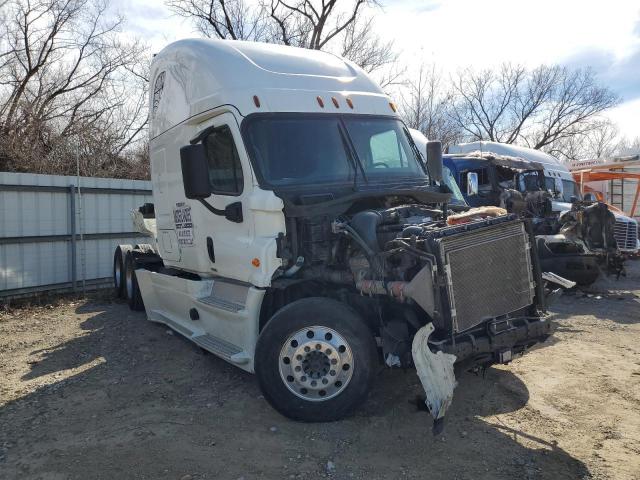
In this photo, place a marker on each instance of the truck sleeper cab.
(299, 234)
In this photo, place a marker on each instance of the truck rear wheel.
(133, 295)
(118, 269)
(315, 360)
(144, 248)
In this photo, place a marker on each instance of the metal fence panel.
(39, 215)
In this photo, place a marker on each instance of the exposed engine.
(413, 263)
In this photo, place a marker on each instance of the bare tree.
(344, 28)
(362, 46)
(313, 23)
(426, 106)
(226, 19)
(535, 107)
(600, 141)
(302, 23)
(628, 146)
(67, 78)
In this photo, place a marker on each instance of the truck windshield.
(529, 181)
(569, 189)
(450, 181)
(292, 149)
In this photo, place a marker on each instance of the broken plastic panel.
(436, 374)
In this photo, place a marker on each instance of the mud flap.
(436, 374)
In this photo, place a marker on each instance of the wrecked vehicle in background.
(300, 235)
(575, 239)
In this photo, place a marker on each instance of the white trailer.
(298, 233)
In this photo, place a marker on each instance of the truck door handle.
(210, 251)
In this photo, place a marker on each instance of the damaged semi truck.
(298, 233)
(575, 239)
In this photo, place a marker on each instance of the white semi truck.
(298, 233)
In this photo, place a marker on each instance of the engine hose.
(409, 249)
(370, 254)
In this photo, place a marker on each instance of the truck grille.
(488, 273)
(626, 234)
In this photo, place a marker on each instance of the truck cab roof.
(551, 165)
(473, 159)
(194, 76)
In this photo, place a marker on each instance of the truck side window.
(225, 171)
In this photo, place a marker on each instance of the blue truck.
(575, 239)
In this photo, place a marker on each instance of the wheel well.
(288, 291)
(282, 294)
(146, 258)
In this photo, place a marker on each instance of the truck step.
(221, 348)
(177, 327)
(218, 302)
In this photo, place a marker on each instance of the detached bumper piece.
(497, 342)
(558, 280)
(436, 374)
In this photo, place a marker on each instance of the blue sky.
(457, 33)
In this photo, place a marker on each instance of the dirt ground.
(89, 389)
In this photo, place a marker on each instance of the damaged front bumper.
(497, 341)
(481, 346)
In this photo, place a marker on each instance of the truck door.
(485, 195)
(223, 243)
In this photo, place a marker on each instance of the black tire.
(118, 270)
(133, 295)
(274, 339)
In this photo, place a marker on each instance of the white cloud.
(627, 116)
(469, 32)
(152, 22)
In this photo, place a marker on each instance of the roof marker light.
(256, 100)
(393, 106)
(350, 103)
(320, 102)
(335, 102)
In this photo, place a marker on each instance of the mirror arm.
(211, 208)
(232, 212)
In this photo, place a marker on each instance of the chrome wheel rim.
(316, 363)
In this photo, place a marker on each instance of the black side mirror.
(434, 160)
(195, 172)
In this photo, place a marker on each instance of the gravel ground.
(89, 389)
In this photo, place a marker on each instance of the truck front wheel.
(315, 360)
